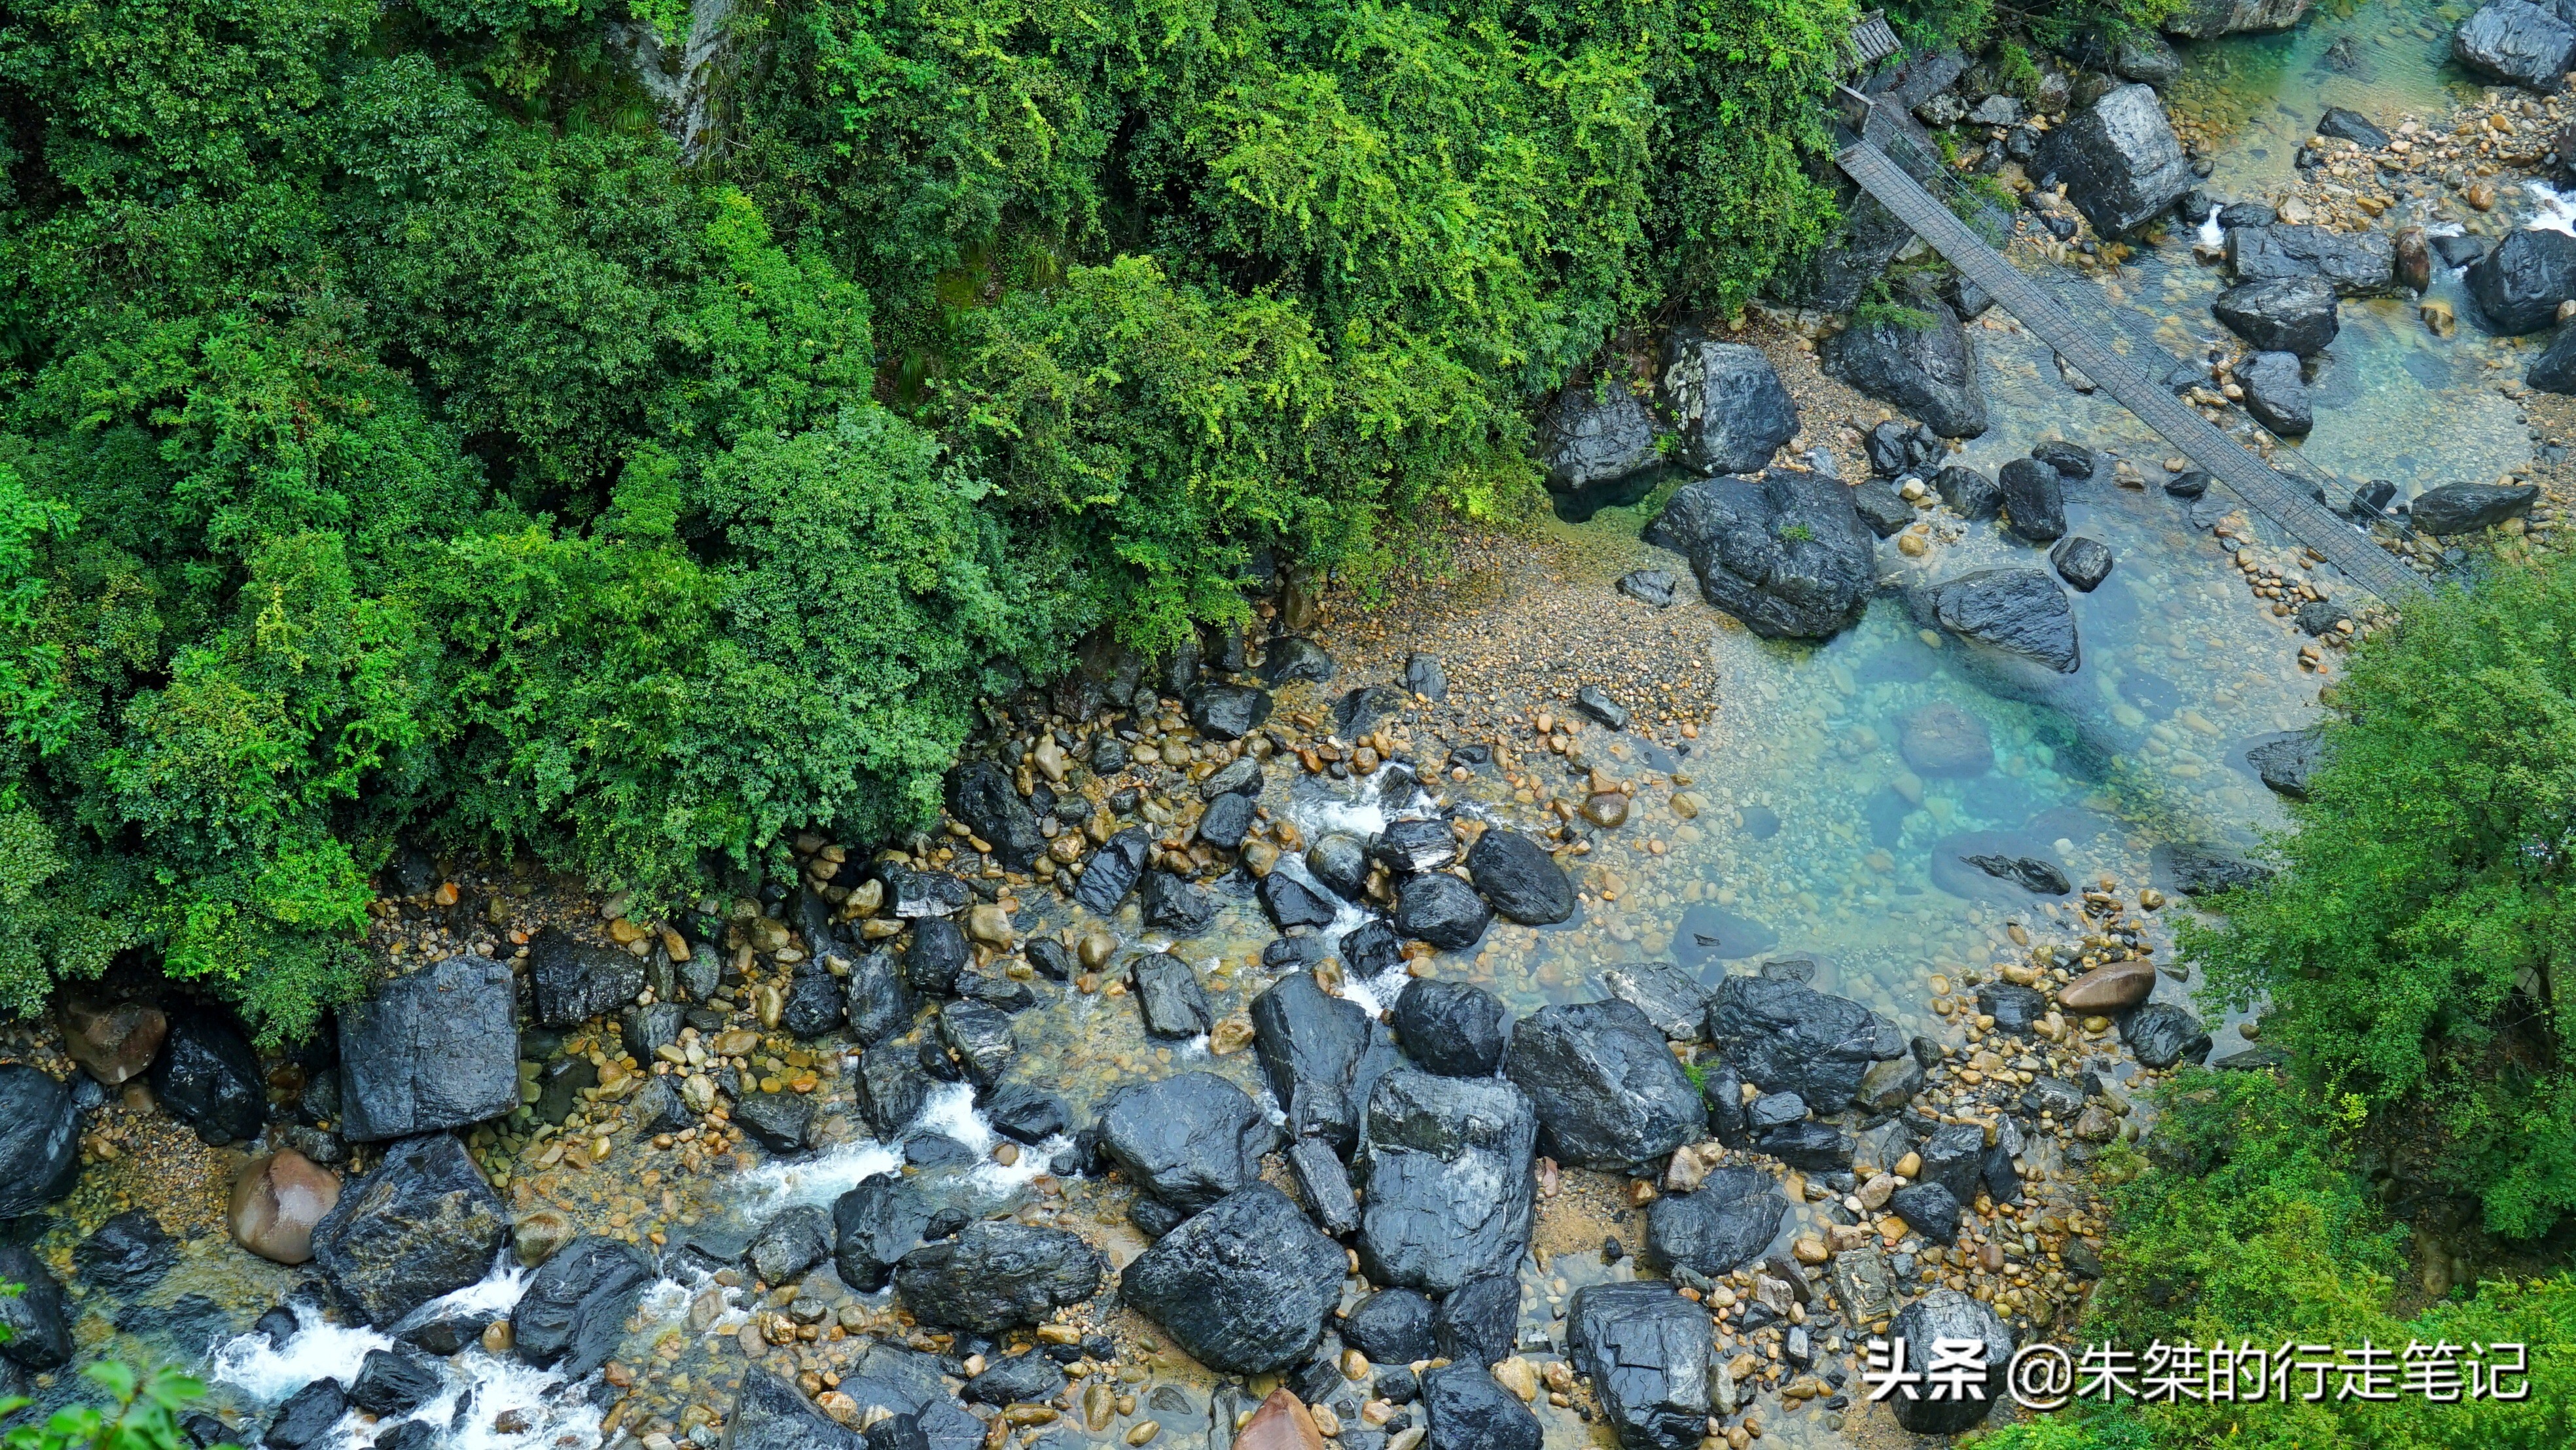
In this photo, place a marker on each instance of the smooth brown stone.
(1608, 810)
(2109, 988)
(276, 1202)
(112, 1043)
(1280, 1424)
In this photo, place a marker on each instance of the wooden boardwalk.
(2280, 499)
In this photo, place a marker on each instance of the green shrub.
(2412, 944)
(143, 1414)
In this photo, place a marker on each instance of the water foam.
(2211, 234)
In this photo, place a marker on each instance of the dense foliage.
(142, 1414)
(2411, 946)
(2245, 1225)
(401, 434)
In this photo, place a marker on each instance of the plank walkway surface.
(2278, 498)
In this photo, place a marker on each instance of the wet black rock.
(127, 1253)
(39, 1140)
(1309, 1043)
(2554, 371)
(1596, 705)
(1954, 1157)
(1785, 1036)
(1244, 1286)
(937, 953)
(391, 1383)
(207, 1077)
(2034, 874)
(1228, 712)
(1464, 1409)
(912, 895)
(2016, 1010)
(2286, 314)
(1477, 1319)
(2518, 286)
(779, 1122)
(645, 1030)
(771, 1414)
(1897, 445)
(2081, 562)
(1930, 372)
(2034, 500)
(1373, 949)
(1227, 820)
(573, 1312)
(2072, 461)
(1520, 878)
(1291, 903)
(1239, 776)
(2284, 762)
(1652, 586)
(1972, 495)
(1788, 555)
(1025, 1114)
(1880, 508)
(1774, 1110)
(1727, 404)
(1324, 1186)
(1595, 433)
(423, 1224)
(1424, 676)
(1671, 998)
(908, 1383)
(1391, 1326)
(873, 1226)
(570, 982)
(1113, 871)
(441, 1332)
(814, 1002)
(979, 1035)
(2018, 611)
(1017, 1379)
(433, 1049)
(1442, 910)
(2119, 161)
(38, 1317)
(2160, 1034)
(1929, 1209)
(2459, 251)
(1646, 1350)
(1174, 905)
(1721, 1091)
(1189, 1139)
(2465, 508)
(2531, 46)
(1452, 1028)
(2188, 485)
(1607, 1090)
(1947, 1314)
(1169, 997)
(2276, 394)
(307, 1416)
(1364, 709)
(790, 1244)
(1411, 847)
(2354, 264)
(891, 1088)
(1814, 1146)
(1339, 861)
(875, 1001)
(1447, 1162)
(982, 796)
(1052, 959)
(2198, 871)
(1286, 661)
(998, 1275)
(1719, 1226)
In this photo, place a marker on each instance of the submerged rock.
(1244, 1286)
(1447, 1163)
(431, 1050)
(1607, 1091)
(1731, 412)
(423, 1224)
(1930, 372)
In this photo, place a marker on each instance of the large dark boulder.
(1929, 1209)
(2276, 394)
(997, 1276)
(780, 1122)
(1447, 1162)
(1309, 1043)
(2034, 497)
(2465, 508)
(771, 1414)
(2554, 371)
(1949, 1314)
(981, 796)
(2120, 162)
(1970, 494)
(1520, 878)
(1113, 871)
(1646, 1350)
(1174, 905)
(937, 953)
(393, 1383)
(207, 1077)
(2355, 264)
(129, 1252)
(1726, 401)
(873, 1226)
(1928, 371)
(1719, 1226)
(573, 1311)
(1463, 1408)
(1595, 433)
(2284, 762)
(814, 1002)
(875, 1002)
(1442, 910)
(1019, 1379)
(1607, 1090)
(1411, 847)
(570, 982)
(1169, 997)
(891, 1088)
(2526, 45)
(1452, 1028)
(1785, 1036)
(1228, 712)
(306, 1416)
(1391, 1326)
(1243, 1286)
(38, 1317)
(2519, 285)
(436, 1049)
(1788, 555)
(2160, 1034)
(39, 1140)
(2287, 314)
(789, 1244)
(1224, 824)
(424, 1223)
(912, 895)
(2018, 611)
(1671, 998)
(1189, 1139)
(911, 1384)
(1477, 1320)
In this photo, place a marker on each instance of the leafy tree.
(143, 1413)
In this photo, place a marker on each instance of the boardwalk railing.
(2282, 500)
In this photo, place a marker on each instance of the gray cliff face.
(681, 79)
